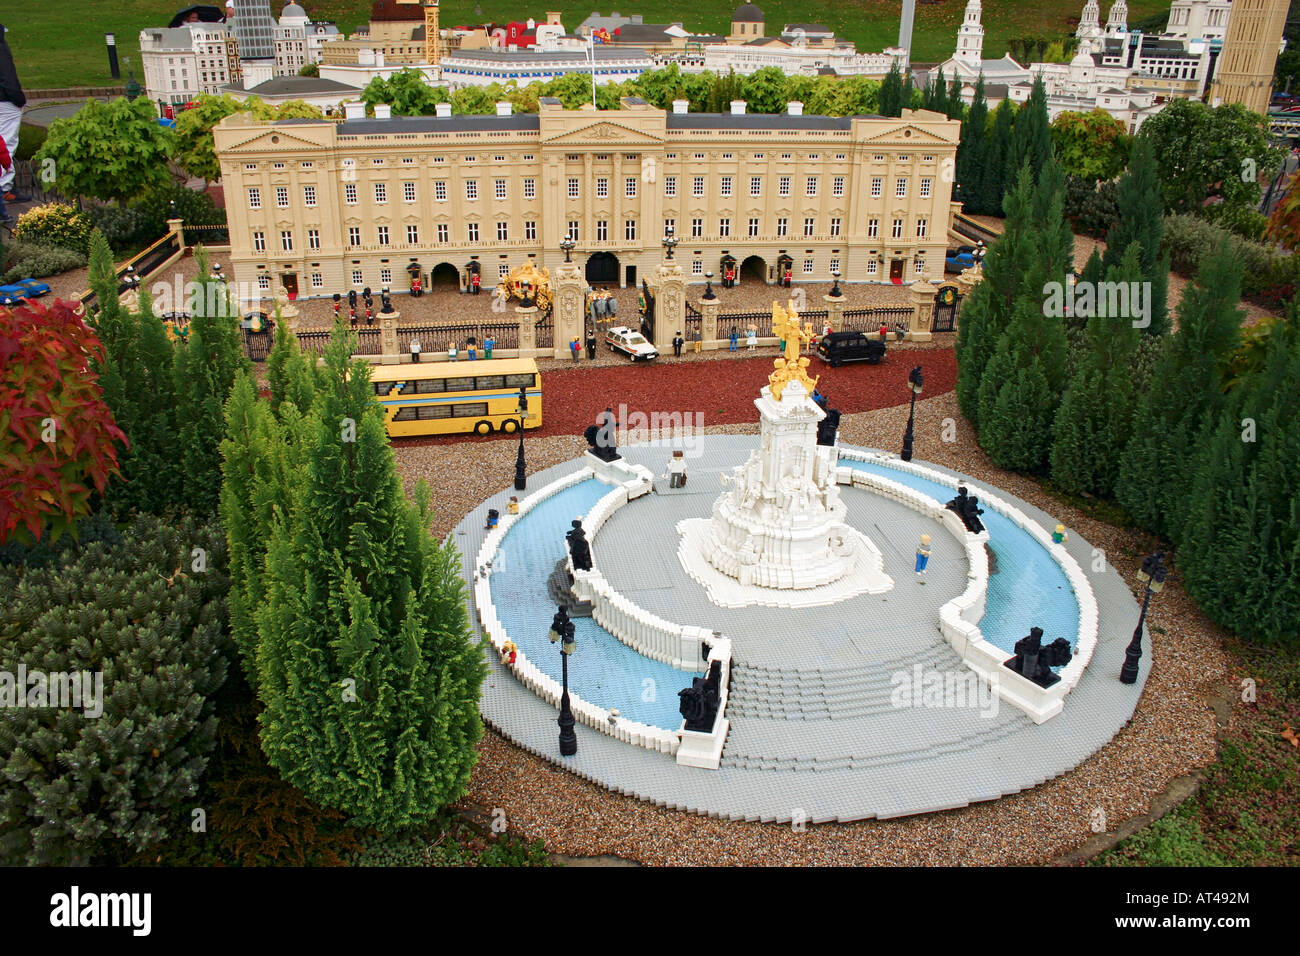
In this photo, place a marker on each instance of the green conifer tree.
(136, 376)
(998, 173)
(891, 93)
(986, 313)
(1153, 484)
(972, 150)
(366, 666)
(1141, 219)
(205, 372)
(1094, 423)
(1239, 550)
(1031, 140)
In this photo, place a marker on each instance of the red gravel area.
(722, 392)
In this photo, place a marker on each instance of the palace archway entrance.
(602, 269)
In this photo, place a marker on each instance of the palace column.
(670, 304)
(923, 312)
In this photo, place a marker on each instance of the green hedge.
(1189, 239)
(27, 260)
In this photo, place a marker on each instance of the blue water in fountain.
(1029, 590)
(604, 671)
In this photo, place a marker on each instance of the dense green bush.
(174, 200)
(1189, 240)
(1090, 206)
(125, 229)
(148, 616)
(30, 140)
(26, 260)
(55, 224)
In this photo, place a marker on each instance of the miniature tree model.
(112, 151)
(205, 371)
(1095, 420)
(136, 374)
(366, 665)
(1140, 220)
(1186, 398)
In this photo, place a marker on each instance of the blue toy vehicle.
(34, 289)
(12, 294)
(956, 261)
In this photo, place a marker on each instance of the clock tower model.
(970, 38)
(1244, 73)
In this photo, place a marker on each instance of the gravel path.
(1171, 733)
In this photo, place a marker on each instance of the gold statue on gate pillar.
(791, 367)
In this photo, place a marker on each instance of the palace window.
(811, 186)
(837, 186)
(602, 230)
(900, 189)
(756, 185)
(286, 240)
(835, 226)
(313, 238)
(573, 187)
(356, 277)
(381, 193)
(354, 235)
(877, 186)
(413, 235)
(499, 188)
(309, 195)
(921, 226)
(726, 186)
(381, 235)
(471, 189)
(573, 230)
(925, 188)
(602, 188)
(259, 242)
(724, 228)
(629, 230)
(408, 192)
(697, 228)
(503, 231)
(782, 226)
(808, 267)
(471, 231)
(809, 226)
(442, 232)
(783, 186)
(530, 189)
(282, 196)
(873, 228)
(753, 228)
(697, 186)
(530, 229)
(670, 186)
(629, 187)
(898, 229)
(440, 191)
(254, 198)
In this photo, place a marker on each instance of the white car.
(630, 342)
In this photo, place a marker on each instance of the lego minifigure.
(751, 338)
(575, 348)
(1059, 536)
(509, 654)
(512, 508)
(493, 519)
(489, 344)
(415, 350)
(471, 348)
(474, 282)
(733, 340)
(451, 351)
(922, 557)
(678, 342)
(677, 471)
(591, 345)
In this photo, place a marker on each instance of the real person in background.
(12, 101)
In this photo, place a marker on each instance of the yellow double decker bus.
(448, 398)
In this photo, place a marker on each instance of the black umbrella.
(201, 12)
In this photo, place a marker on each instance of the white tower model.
(970, 38)
(778, 536)
(1117, 22)
(1090, 21)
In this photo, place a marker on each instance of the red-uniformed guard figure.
(416, 289)
(729, 278)
(352, 317)
(787, 277)
(474, 282)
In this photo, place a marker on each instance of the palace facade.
(322, 207)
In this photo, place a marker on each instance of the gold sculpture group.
(792, 365)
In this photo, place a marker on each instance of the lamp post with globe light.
(1152, 574)
(562, 631)
(914, 382)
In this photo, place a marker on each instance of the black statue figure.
(579, 549)
(827, 428)
(1035, 662)
(601, 436)
(700, 701)
(352, 298)
(967, 509)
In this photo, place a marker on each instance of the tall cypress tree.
(936, 94)
(205, 372)
(1154, 482)
(1032, 134)
(136, 376)
(1239, 549)
(998, 173)
(956, 108)
(986, 312)
(971, 151)
(367, 669)
(1095, 421)
(1141, 219)
(891, 93)
(1020, 388)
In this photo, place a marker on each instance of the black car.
(840, 347)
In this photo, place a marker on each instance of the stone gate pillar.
(569, 314)
(923, 314)
(834, 312)
(527, 329)
(709, 322)
(670, 305)
(389, 354)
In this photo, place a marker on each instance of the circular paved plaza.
(817, 731)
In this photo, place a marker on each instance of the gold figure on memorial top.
(786, 326)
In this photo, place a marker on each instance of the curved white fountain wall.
(959, 618)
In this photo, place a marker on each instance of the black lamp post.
(567, 245)
(708, 286)
(527, 300)
(521, 481)
(914, 382)
(835, 289)
(670, 243)
(562, 631)
(1152, 575)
